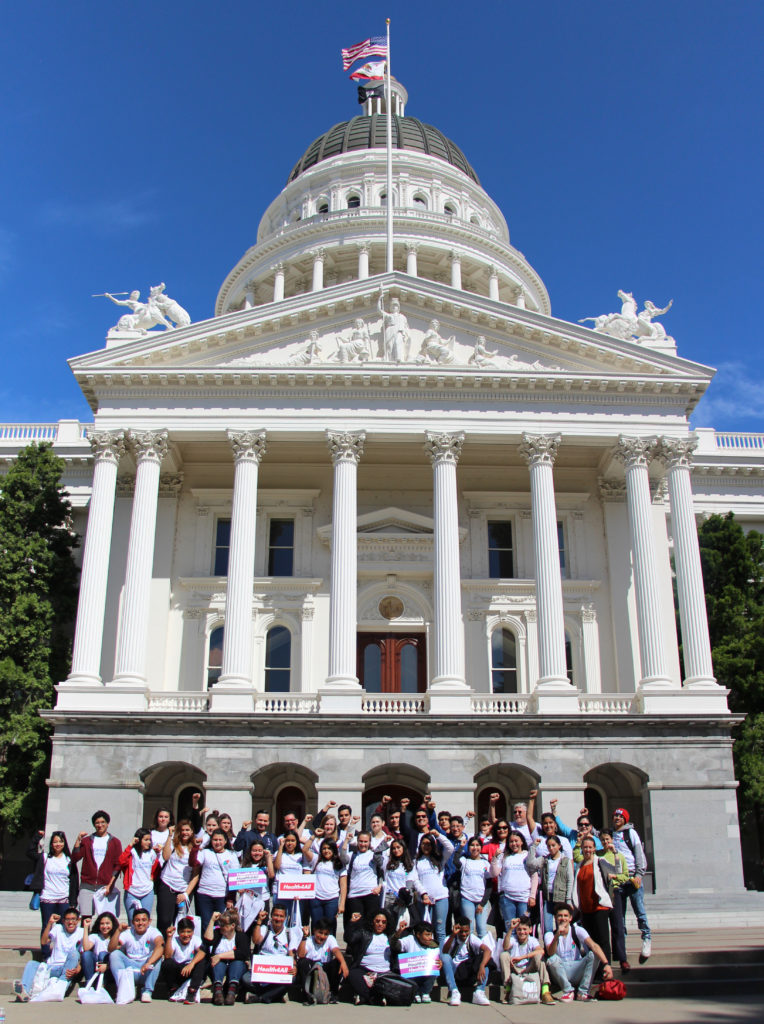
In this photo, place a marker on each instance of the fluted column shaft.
(236, 670)
(363, 261)
(278, 283)
(456, 270)
(448, 668)
(411, 258)
(149, 449)
(346, 450)
(108, 448)
(540, 452)
(696, 645)
(635, 453)
(493, 284)
(318, 270)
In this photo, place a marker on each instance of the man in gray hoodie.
(627, 841)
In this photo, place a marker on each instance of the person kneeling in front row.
(572, 955)
(139, 948)
(522, 954)
(464, 961)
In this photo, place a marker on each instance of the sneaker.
(190, 997)
(479, 998)
(230, 997)
(426, 999)
(625, 966)
(145, 997)
(582, 997)
(567, 997)
(454, 997)
(417, 999)
(547, 998)
(22, 996)
(647, 948)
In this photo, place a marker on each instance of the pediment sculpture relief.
(159, 310)
(629, 325)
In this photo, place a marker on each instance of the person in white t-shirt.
(139, 948)
(421, 940)
(212, 866)
(320, 948)
(465, 962)
(475, 886)
(63, 936)
(95, 943)
(522, 954)
(175, 882)
(160, 828)
(571, 956)
(184, 959)
(274, 939)
(331, 877)
(140, 863)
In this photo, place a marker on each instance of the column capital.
(277, 268)
(170, 484)
(148, 445)
(345, 446)
(411, 246)
(319, 255)
(456, 256)
(108, 445)
(676, 451)
(635, 451)
(443, 447)
(611, 489)
(493, 270)
(363, 246)
(247, 445)
(540, 449)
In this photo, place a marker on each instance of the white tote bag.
(94, 992)
(125, 987)
(103, 904)
(53, 992)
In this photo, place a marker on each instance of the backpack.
(613, 989)
(317, 988)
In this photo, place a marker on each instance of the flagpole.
(389, 160)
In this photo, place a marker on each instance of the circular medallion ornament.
(390, 607)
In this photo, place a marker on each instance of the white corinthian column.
(540, 451)
(149, 448)
(236, 670)
(346, 450)
(448, 670)
(635, 453)
(696, 646)
(108, 449)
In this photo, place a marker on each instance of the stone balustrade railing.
(394, 704)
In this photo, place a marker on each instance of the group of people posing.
(519, 896)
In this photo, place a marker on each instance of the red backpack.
(612, 989)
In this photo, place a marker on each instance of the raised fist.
(533, 794)
(494, 798)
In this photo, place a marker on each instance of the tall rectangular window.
(222, 547)
(501, 563)
(281, 547)
(561, 548)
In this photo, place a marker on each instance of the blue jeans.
(119, 962)
(547, 909)
(231, 969)
(89, 962)
(449, 973)
(511, 908)
(131, 902)
(59, 971)
(324, 908)
(438, 914)
(480, 921)
(570, 974)
(206, 907)
(637, 899)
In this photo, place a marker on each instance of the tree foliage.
(733, 575)
(38, 594)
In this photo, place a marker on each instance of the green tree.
(733, 575)
(38, 594)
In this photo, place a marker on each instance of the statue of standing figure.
(158, 310)
(395, 331)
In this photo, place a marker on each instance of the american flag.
(376, 46)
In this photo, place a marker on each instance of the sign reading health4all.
(247, 878)
(299, 889)
(419, 965)
(272, 969)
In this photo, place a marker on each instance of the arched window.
(420, 201)
(449, 210)
(323, 206)
(503, 661)
(215, 656)
(354, 201)
(278, 660)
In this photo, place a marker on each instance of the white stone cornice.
(247, 445)
(443, 447)
(540, 448)
(345, 446)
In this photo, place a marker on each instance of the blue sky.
(142, 141)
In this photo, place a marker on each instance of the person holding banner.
(250, 901)
(175, 881)
(273, 944)
(229, 952)
(331, 882)
(372, 950)
(320, 949)
(418, 960)
(212, 867)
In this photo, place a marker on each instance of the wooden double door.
(392, 662)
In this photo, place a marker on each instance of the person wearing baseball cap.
(626, 841)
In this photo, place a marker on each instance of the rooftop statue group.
(158, 310)
(629, 325)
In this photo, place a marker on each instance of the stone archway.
(624, 785)
(170, 784)
(511, 781)
(395, 780)
(281, 787)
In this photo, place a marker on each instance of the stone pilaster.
(149, 448)
(108, 449)
(346, 450)
(448, 676)
(636, 453)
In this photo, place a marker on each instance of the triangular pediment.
(341, 329)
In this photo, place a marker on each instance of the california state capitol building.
(366, 532)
